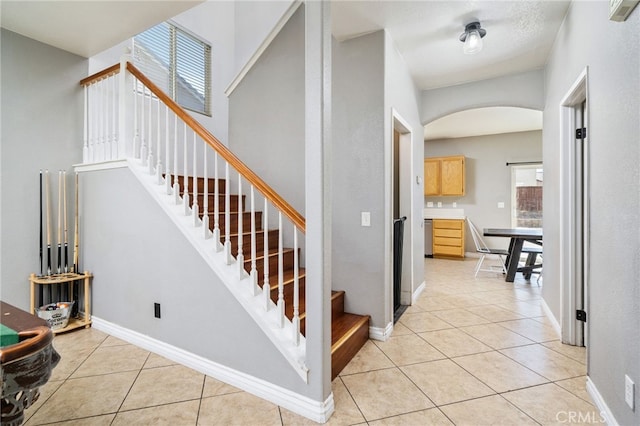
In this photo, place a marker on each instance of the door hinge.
(581, 133)
(581, 315)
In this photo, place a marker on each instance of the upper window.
(178, 62)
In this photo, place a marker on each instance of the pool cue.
(59, 221)
(76, 267)
(48, 202)
(64, 209)
(41, 288)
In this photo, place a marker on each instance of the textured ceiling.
(519, 35)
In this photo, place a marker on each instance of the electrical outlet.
(629, 390)
(156, 310)
(365, 218)
(439, 203)
(501, 205)
(429, 203)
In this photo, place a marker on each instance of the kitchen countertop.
(443, 213)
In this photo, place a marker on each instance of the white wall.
(525, 90)
(42, 106)
(402, 98)
(358, 163)
(139, 257)
(612, 54)
(488, 178)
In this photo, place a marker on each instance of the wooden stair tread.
(344, 325)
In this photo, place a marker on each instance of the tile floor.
(469, 352)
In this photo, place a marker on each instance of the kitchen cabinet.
(444, 175)
(448, 238)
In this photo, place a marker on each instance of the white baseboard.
(554, 322)
(318, 411)
(381, 334)
(605, 412)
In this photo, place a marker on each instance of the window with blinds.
(178, 62)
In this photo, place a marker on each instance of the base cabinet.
(448, 238)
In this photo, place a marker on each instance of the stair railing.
(127, 116)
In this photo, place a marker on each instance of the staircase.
(349, 332)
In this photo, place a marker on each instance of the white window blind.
(178, 63)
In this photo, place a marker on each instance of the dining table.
(517, 236)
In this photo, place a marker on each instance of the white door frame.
(406, 205)
(570, 267)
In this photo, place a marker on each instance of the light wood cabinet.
(444, 175)
(448, 238)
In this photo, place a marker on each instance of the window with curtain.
(178, 62)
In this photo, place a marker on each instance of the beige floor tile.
(577, 353)
(86, 396)
(444, 382)
(433, 303)
(577, 386)
(453, 342)
(385, 393)
(86, 338)
(69, 363)
(464, 300)
(491, 410)
(499, 372)
(369, 358)
(494, 313)
(400, 330)
(113, 341)
(112, 359)
(181, 413)
(238, 409)
(528, 309)
(533, 330)
(549, 404)
(460, 317)
(409, 349)
(164, 385)
(346, 411)
(104, 420)
(547, 363)
(45, 392)
(423, 321)
(496, 296)
(496, 336)
(155, 360)
(431, 417)
(213, 387)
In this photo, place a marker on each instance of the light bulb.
(473, 43)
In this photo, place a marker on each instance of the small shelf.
(71, 279)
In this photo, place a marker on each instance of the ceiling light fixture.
(472, 38)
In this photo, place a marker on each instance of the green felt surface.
(8, 336)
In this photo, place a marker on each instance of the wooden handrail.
(294, 216)
(114, 69)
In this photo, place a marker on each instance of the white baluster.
(167, 155)
(280, 274)
(144, 152)
(159, 160)
(85, 145)
(92, 121)
(240, 256)
(136, 130)
(176, 184)
(266, 286)
(121, 133)
(103, 120)
(216, 203)
(195, 208)
(185, 197)
(114, 118)
(150, 137)
(227, 217)
(205, 207)
(254, 270)
(296, 290)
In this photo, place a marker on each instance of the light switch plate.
(429, 203)
(501, 205)
(439, 203)
(365, 218)
(629, 390)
